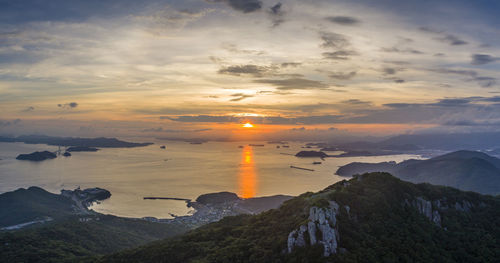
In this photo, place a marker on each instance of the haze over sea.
(181, 170)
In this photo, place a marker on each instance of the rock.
(436, 218)
(424, 207)
(320, 219)
(311, 228)
(37, 156)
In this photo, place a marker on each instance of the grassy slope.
(71, 240)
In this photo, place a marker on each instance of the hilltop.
(466, 170)
(370, 218)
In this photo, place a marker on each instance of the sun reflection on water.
(247, 176)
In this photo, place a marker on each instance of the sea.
(181, 170)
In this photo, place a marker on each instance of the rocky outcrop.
(425, 208)
(321, 228)
(432, 210)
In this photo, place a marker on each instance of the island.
(317, 154)
(74, 141)
(37, 156)
(81, 149)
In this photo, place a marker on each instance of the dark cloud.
(68, 105)
(389, 71)
(245, 6)
(444, 37)
(334, 40)
(485, 82)
(30, 108)
(235, 49)
(240, 96)
(160, 129)
(277, 14)
(343, 20)
(482, 81)
(294, 83)
(452, 40)
(470, 73)
(356, 102)
(341, 75)
(290, 64)
(9, 123)
(401, 50)
(309, 120)
(481, 59)
(253, 70)
(339, 55)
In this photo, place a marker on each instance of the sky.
(296, 69)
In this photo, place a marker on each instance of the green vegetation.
(379, 227)
(80, 238)
(24, 205)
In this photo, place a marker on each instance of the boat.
(241, 146)
(162, 147)
(316, 162)
(260, 145)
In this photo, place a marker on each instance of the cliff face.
(320, 228)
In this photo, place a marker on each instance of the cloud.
(401, 50)
(444, 37)
(485, 82)
(482, 81)
(341, 75)
(68, 105)
(290, 64)
(277, 14)
(253, 70)
(235, 49)
(339, 55)
(294, 83)
(30, 108)
(309, 120)
(389, 71)
(160, 129)
(481, 59)
(343, 20)
(245, 6)
(240, 96)
(357, 102)
(334, 40)
(9, 123)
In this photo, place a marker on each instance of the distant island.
(466, 170)
(37, 156)
(81, 149)
(74, 141)
(311, 154)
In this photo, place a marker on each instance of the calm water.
(182, 170)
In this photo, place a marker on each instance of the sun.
(248, 125)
